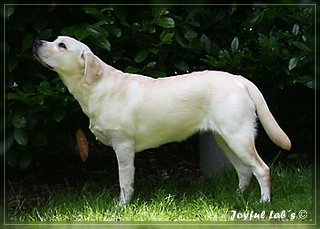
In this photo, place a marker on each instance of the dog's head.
(68, 57)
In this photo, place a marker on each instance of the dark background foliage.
(271, 46)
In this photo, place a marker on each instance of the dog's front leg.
(125, 155)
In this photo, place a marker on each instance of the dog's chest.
(101, 135)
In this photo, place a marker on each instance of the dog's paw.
(265, 199)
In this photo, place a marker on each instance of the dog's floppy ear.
(92, 68)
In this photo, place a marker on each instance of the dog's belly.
(147, 135)
(162, 131)
(147, 140)
(160, 137)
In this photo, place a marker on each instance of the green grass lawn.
(208, 200)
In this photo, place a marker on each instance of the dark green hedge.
(272, 46)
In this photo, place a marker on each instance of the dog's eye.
(62, 45)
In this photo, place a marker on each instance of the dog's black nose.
(37, 43)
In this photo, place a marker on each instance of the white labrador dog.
(131, 112)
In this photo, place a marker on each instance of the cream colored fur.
(132, 112)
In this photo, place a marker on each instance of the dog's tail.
(267, 120)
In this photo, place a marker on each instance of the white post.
(212, 158)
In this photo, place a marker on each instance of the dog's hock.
(92, 68)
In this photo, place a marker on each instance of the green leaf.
(224, 55)
(235, 44)
(264, 42)
(206, 43)
(154, 50)
(21, 136)
(104, 43)
(166, 37)
(91, 10)
(209, 60)
(132, 69)
(292, 63)
(258, 17)
(190, 34)
(101, 42)
(181, 40)
(81, 33)
(151, 65)
(155, 73)
(295, 29)
(116, 31)
(69, 31)
(18, 121)
(141, 55)
(159, 11)
(165, 22)
(106, 21)
(93, 32)
(301, 46)
(303, 79)
(312, 84)
(273, 42)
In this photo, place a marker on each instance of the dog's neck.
(81, 90)
(77, 87)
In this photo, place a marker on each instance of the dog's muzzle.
(36, 45)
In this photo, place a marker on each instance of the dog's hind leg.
(243, 147)
(244, 173)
